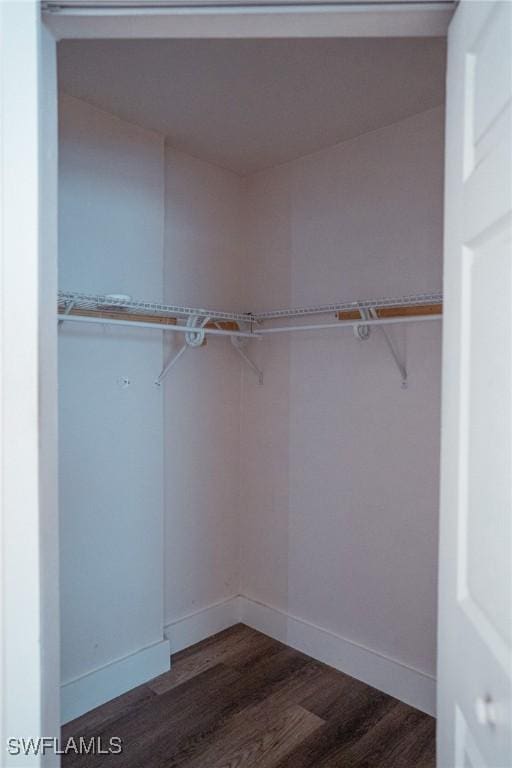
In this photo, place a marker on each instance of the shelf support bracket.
(396, 357)
(68, 309)
(238, 344)
(172, 361)
(193, 338)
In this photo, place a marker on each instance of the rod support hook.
(362, 332)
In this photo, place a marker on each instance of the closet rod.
(69, 318)
(247, 334)
(348, 324)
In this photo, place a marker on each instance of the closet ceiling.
(250, 104)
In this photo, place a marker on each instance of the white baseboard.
(394, 678)
(201, 624)
(96, 687)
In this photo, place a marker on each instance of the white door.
(475, 579)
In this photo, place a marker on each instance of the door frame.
(29, 605)
(29, 613)
(256, 18)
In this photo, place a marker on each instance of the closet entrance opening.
(250, 304)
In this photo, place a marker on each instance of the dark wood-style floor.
(240, 699)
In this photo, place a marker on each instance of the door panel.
(475, 589)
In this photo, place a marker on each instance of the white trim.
(203, 623)
(389, 675)
(399, 680)
(312, 20)
(48, 389)
(59, 6)
(29, 620)
(103, 684)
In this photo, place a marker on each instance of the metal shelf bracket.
(165, 370)
(394, 353)
(193, 338)
(239, 343)
(362, 332)
(69, 307)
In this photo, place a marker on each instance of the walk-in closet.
(250, 306)
(255, 377)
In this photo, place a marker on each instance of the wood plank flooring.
(243, 700)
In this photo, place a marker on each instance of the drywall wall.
(116, 180)
(111, 436)
(204, 267)
(250, 104)
(314, 496)
(339, 465)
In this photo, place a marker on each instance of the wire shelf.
(239, 326)
(417, 300)
(104, 303)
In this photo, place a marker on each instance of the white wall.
(204, 267)
(111, 438)
(339, 468)
(316, 494)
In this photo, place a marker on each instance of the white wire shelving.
(198, 322)
(106, 303)
(418, 300)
